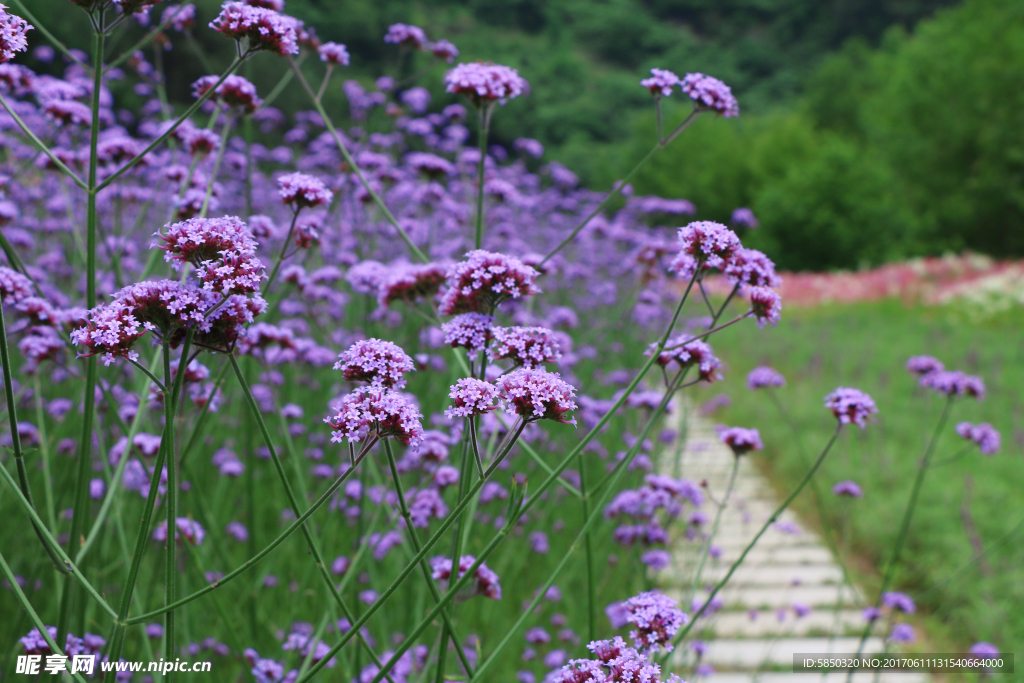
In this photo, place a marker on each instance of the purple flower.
(180, 17)
(801, 609)
(379, 362)
(922, 365)
(656, 559)
(765, 305)
(411, 283)
(13, 285)
(710, 94)
(191, 530)
(537, 636)
(660, 83)
(340, 565)
(471, 397)
(525, 346)
(222, 251)
(657, 619)
(984, 435)
(484, 280)
(902, 633)
(484, 84)
(486, 581)
(96, 488)
(744, 218)
(385, 412)
(687, 354)
(443, 49)
(529, 146)
(900, 601)
(425, 505)
(870, 613)
(406, 34)
(334, 54)
(765, 377)
(154, 630)
(471, 331)
(983, 650)
(237, 531)
(303, 191)
(35, 644)
(264, 29)
(705, 245)
(12, 34)
(741, 440)
(954, 383)
(851, 406)
(751, 267)
(539, 542)
(536, 394)
(847, 488)
(235, 91)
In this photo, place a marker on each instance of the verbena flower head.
(471, 397)
(710, 94)
(303, 191)
(405, 34)
(265, 29)
(922, 365)
(851, 406)
(13, 286)
(180, 17)
(661, 82)
(12, 34)
(695, 353)
(984, 650)
(765, 306)
(471, 331)
(753, 268)
(902, 633)
(376, 410)
(984, 435)
(954, 383)
(221, 249)
(381, 363)
(536, 394)
(485, 582)
(765, 376)
(744, 218)
(189, 529)
(705, 244)
(411, 283)
(848, 488)
(657, 619)
(741, 440)
(334, 54)
(442, 49)
(484, 280)
(484, 84)
(235, 92)
(525, 346)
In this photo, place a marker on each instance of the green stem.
(280, 257)
(714, 528)
(484, 120)
(44, 451)
(39, 143)
(145, 40)
(771, 520)
(589, 554)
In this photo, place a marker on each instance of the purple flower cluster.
(186, 528)
(525, 346)
(984, 435)
(12, 34)
(222, 250)
(377, 362)
(657, 619)
(710, 94)
(705, 244)
(485, 582)
(471, 397)
(376, 410)
(484, 84)
(686, 354)
(741, 440)
(303, 191)
(264, 29)
(334, 54)
(751, 267)
(484, 280)
(406, 34)
(954, 383)
(615, 662)
(744, 218)
(764, 376)
(848, 488)
(922, 365)
(661, 82)
(471, 331)
(411, 283)
(536, 394)
(235, 92)
(765, 305)
(851, 406)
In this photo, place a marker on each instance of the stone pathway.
(755, 633)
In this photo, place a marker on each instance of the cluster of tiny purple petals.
(741, 440)
(525, 346)
(753, 268)
(657, 619)
(411, 283)
(765, 376)
(406, 34)
(486, 581)
(660, 82)
(954, 383)
(694, 353)
(12, 34)
(13, 286)
(381, 411)
(922, 365)
(265, 29)
(188, 528)
(535, 394)
(705, 244)
(485, 83)
(303, 191)
(236, 92)
(472, 331)
(710, 93)
(851, 406)
(378, 362)
(471, 397)
(900, 601)
(744, 218)
(179, 17)
(984, 435)
(443, 49)
(334, 54)
(848, 488)
(221, 249)
(484, 280)
(765, 305)
(615, 663)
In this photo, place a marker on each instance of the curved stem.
(42, 146)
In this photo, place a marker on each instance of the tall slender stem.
(284, 249)
(714, 528)
(589, 555)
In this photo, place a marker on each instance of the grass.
(966, 505)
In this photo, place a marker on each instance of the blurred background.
(870, 130)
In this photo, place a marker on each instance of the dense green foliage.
(964, 505)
